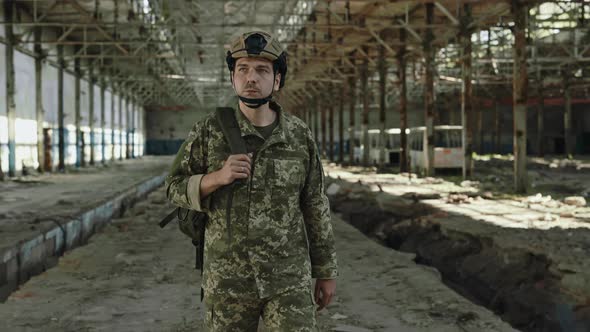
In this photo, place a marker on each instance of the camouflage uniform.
(280, 224)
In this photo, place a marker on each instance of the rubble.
(470, 184)
(458, 199)
(506, 252)
(575, 201)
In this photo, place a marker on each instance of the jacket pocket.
(288, 174)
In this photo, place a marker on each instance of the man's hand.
(324, 291)
(237, 166)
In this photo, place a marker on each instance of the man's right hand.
(237, 166)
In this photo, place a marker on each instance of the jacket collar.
(278, 135)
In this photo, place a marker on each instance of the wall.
(167, 129)
(26, 123)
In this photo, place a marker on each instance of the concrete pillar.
(341, 124)
(10, 87)
(540, 115)
(429, 93)
(467, 94)
(365, 115)
(79, 148)
(127, 128)
(323, 127)
(316, 110)
(567, 120)
(91, 81)
(382, 105)
(403, 104)
(480, 128)
(121, 152)
(133, 114)
(39, 99)
(351, 119)
(520, 85)
(113, 122)
(60, 109)
(331, 126)
(103, 149)
(498, 128)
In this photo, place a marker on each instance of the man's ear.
(277, 81)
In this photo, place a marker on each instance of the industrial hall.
(295, 165)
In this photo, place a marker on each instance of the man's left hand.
(324, 291)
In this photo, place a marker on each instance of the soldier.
(264, 246)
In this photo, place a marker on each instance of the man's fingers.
(316, 294)
(241, 164)
(240, 171)
(328, 299)
(240, 157)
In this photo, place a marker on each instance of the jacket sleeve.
(183, 182)
(316, 212)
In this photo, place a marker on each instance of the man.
(260, 261)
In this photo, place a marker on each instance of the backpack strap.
(231, 130)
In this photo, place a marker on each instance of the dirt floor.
(524, 257)
(132, 276)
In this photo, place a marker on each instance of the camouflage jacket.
(280, 217)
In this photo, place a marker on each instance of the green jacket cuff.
(324, 272)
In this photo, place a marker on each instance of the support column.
(9, 7)
(403, 105)
(127, 128)
(133, 115)
(323, 128)
(341, 125)
(429, 94)
(567, 119)
(520, 85)
(365, 115)
(91, 112)
(351, 119)
(316, 110)
(113, 122)
(39, 99)
(540, 115)
(121, 126)
(467, 94)
(382, 106)
(331, 127)
(79, 148)
(60, 109)
(497, 128)
(103, 149)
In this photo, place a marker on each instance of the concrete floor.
(132, 276)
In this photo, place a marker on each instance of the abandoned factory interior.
(295, 165)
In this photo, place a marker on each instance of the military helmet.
(258, 44)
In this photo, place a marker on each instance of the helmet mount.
(258, 44)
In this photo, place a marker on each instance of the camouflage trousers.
(292, 311)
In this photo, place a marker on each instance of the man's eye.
(242, 69)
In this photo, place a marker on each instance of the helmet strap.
(254, 102)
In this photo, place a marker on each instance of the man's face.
(253, 77)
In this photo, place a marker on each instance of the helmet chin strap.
(254, 102)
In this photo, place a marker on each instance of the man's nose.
(252, 76)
